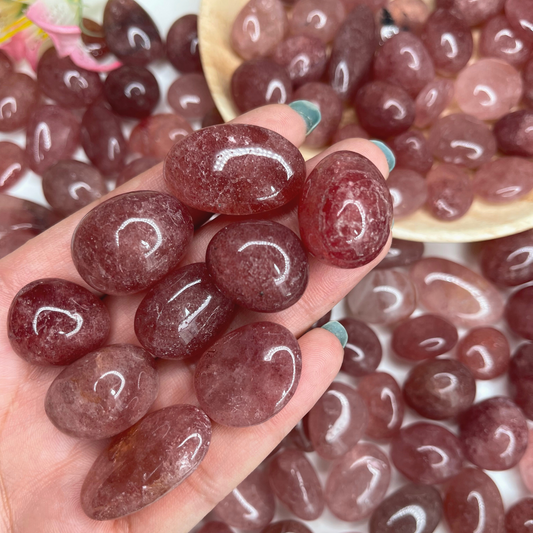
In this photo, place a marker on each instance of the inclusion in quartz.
(19, 95)
(190, 97)
(182, 44)
(12, 164)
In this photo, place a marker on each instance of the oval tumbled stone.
(234, 169)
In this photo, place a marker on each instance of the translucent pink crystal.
(374, 5)
(520, 375)
(214, 527)
(136, 167)
(528, 83)
(144, 463)
(54, 322)
(363, 351)
(345, 211)
(520, 16)
(248, 375)
(131, 241)
(526, 464)
(286, 526)
(432, 100)
(12, 164)
(412, 152)
(190, 97)
(350, 131)
(315, 18)
(357, 482)
(18, 97)
(409, 14)
(402, 253)
(182, 44)
(473, 12)
(519, 517)
(206, 170)
(408, 190)
(514, 133)
(296, 484)
(456, 292)
(6, 65)
(519, 312)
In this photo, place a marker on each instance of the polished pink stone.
(92, 35)
(471, 499)
(432, 100)
(450, 192)
(528, 83)
(462, 140)
(520, 16)
(65, 82)
(103, 393)
(214, 526)
(402, 253)
(363, 351)
(345, 211)
(190, 97)
(286, 526)
(350, 131)
(6, 65)
(156, 135)
(19, 95)
(439, 389)
(299, 436)
(259, 27)
(102, 139)
(248, 375)
(296, 484)
(54, 322)
(52, 134)
(408, 190)
(130, 33)
(412, 152)
(412, 508)
(383, 399)
(259, 264)
(183, 314)
(519, 312)
(315, 18)
(337, 421)
(70, 185)
(357, 482)
(525, 465)
(519, 517)
(12, 164)
(136, 167)
(514, 133)
(144, 463)
(234, 169)
(509, 261)
(330, 106)
(182, 44)
(212, 118)
(456, 292)
(250, 505)
(473, 12)
(427, 453)
(131, 241)
(409, 14)
(383, 297)
(521, 377)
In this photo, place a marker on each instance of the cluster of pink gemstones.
(395, 62)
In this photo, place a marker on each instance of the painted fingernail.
(391, 160)
(309, 112)
(338, 330)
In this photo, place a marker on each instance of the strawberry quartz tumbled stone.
(520, 16)
(286, 526)
(412, 152)
(514, 133)
(402, 253)
(190, 97)
(54, 322)
(235, 169)
(214, 527)
(136, 167)
(519, 312)
(345, 211)
(473, 12)
(182, 44)
(409, 191)
(131, 241)
(363, 351)
(315, 18)
(19, 95)
(248, 375)
(432, 100)
(519, 517)
(12, 164)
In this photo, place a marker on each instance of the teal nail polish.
(309, 112)
(391, 160)
(338, 330)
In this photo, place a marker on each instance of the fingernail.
(309, 112)
(338, 330)
(391, 160)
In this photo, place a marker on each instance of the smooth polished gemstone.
(409, 14)
(374, 5)
(19, 95)
(136, 167)
(383, 297)
(345, 211)
(299, 436)
(521, 377)
(103, 393)
(12, 164)
(412, 508)
(259, 264)
(525, 465)
(214, 526)
(130, 33)
(456, 292)
(190, 97)
(520, 16)
(144, 463)
(412, 152)
(132, 91)
(439, 389)
(54, 322)
(248, 375)
(234, 169)
(473, 12)
(183, 314)
(363, 351)
(92, 35)
(6, 65)
(52, 134)
(65, 82)
(182, 44)
(383, 399)
(450, 192)
(432, 100)
(330, 106)
(212, 118)
(286, 526)
(315, 18)
(519, 517)
(519, 312)
(260, 82)
(156, 135)
(514, 133)
(408, 190)
(250, 505)
(131, 241)
(259, 27)
(509, 261)
(462, 140)
(357, 482)
(350, 131)
(494, 433)
(70, 185)
(528, 83)
(296, 484)
(383, 109)
(402, 253)
(337, 421)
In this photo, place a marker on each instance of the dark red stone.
(363, 351)
(432, 100)
(190, 96)
(286, 526)
(212, 118)
(519, 517)
(350, 131)
(136, 167)
(521, 377)
(408, 190)
(214, 527)
(19, 95)
(528, 83)
(519, 312)
(412, 152)
(12, 164)
(92, 35)
(514, 133)
(54, 322)
(520, 16)
(182, 44)
(6, 65)
(402, 253)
